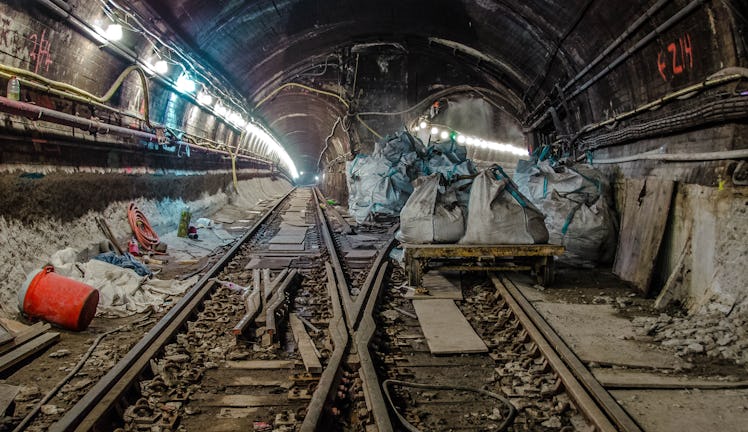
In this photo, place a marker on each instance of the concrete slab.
(278, 239)
(633, 379)
(446, 329)
(596, 334)
(686, 410)
(286, 247)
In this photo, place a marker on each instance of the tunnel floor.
(667, 371)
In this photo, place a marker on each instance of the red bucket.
(58, 299)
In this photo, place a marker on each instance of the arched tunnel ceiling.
(519, 49)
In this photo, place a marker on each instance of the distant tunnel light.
(316, 178)
(461, 139)
(444, 135)
(113, 32)
(423, 124)
(185, 84)
(434, 130)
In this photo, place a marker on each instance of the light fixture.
(204, 98)
(185, 84)
(113, 32)
(423, 124)
(434, 130)
(461, 139)
(161, 67)
(301, 172)
(316, 178)
(444, 135)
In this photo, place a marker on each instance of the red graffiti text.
(40, 54)
(676, 58)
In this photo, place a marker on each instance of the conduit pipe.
(65, 11)
(623, 57)
(677, 157)
(37, 113)
(65, 89)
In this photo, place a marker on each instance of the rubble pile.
(577, 203)
(715, 335)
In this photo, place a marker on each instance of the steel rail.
(102, 397)
(591, 398)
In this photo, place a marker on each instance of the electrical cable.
(508, 419)
(30, 416)
(141, 228)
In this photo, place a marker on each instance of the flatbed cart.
(458, 257)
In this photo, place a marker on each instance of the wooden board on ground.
(236, 413)
(278, 239)
(210, 399)
(286, 247)
(21, 353)
(645, 212)
(305, 345)
(628, 379)
(446, 329)
(7, 395)
(361, 254)
(599, 335)
(438, 286)
(260, 364)
(13, 325)
(270, 263)
(5, 335)
(251, 381)
(25, 335)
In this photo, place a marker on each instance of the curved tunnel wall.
(597, 80)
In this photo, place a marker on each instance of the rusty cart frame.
(456, 257)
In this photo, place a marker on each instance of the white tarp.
(432, 214)
(121, 291)
(498, 214)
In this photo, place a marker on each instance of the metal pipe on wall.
(38, 113)
(628, 53)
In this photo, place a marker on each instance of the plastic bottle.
(14, 88)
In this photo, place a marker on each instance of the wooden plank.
(5, 335)
(210, 399)
(583, 389)
(30, 332)
(252, 381)
(628, 379)
(7, 395)
(286, 247)
(438, 287)
(645, 212)
(446, 329)
(305, 345)
(28, 349)
(260, 364)
(13, 325)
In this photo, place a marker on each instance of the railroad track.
(315, 334)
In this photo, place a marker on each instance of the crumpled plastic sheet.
(122, 292)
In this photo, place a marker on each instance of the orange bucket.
(58, 299)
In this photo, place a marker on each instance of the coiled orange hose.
(144, 233)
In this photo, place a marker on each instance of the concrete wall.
(711, 224)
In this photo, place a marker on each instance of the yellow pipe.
(89, 97)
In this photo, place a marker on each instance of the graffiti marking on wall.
(676, 58)
(40, 55)
(10, 39)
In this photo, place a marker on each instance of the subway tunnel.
(219, 110)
